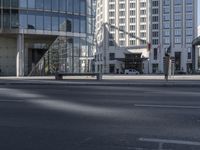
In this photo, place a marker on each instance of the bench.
(59, 75)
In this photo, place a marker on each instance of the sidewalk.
(108, 80)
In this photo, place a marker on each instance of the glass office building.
(28, 29)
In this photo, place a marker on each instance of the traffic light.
(149, 46)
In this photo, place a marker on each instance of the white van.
(131, 71)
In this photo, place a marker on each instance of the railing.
(48, 64)
(62, 57)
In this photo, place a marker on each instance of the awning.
(196, 41)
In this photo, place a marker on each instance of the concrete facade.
(174, 26)
(168, 25)
(8, 53)
(113, 44)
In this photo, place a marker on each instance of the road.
(62, 117)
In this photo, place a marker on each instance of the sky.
(198, 12)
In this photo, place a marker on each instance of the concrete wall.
(8, 51)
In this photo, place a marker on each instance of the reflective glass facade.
(49, 15)
(70, 20)
(67, 54)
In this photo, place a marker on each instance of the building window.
(39, 4)
(155, 41)
(189, 24)
(47, 22)
(155, 19)
(62, 5)
(55, 23)
(166, 40)
(76, 24)
(155, 3)
(189, 8)
(82, 24)
(189, 32)
(189, 2)
(112, 68)
(189, 55)
(47, 4)
(178, 16)
(122, 43)
(155, 54)
(166, 2)
(14, 3)
(111, 43)
(23, 3)
(31, 4)
(177, 40)
(69, 24)
(166, 25)
(178, 9)
(177, 24)
(155, 34)
(155, 26)
(82, 6)
(23, 20)
(6, 3)
(70, 6)
(76, 6)
(178, 2)
(39, 22)
(55, 5)
(166, 32)
(178, 32)
(112, 56)
(189, 39)
(14, 19)
(31, 21)
(132, 42)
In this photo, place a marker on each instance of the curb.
(102, 84)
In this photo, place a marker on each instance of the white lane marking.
(167, 106)
(193, 143)
(10, 101)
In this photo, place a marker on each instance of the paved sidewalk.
(108, 80)
(110, 77)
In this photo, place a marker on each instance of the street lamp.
(148, 65)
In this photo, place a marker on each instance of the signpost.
(166, 62)
(172, 65)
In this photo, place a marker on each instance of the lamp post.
(148, 66)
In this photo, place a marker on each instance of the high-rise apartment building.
(198, 53)
(118, 47)
(168, 25)
(174, 26)
(29, 27)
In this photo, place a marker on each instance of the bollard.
(58, 76)
(99, 76)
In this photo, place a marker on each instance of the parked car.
(131, 71)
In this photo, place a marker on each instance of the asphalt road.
(53, 117)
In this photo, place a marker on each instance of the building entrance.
(133, 61)
(177, 61)
(34, 55)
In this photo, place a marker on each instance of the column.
(193, 58)
(20, 56)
